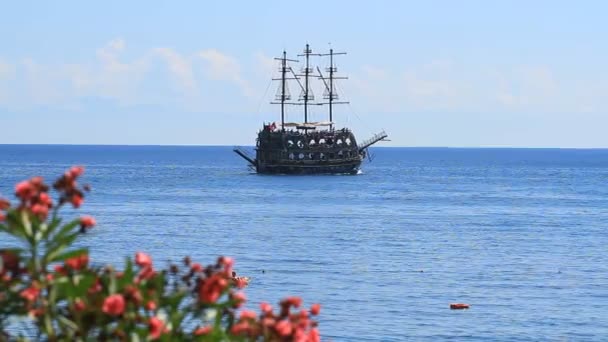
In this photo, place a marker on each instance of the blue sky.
(432, 73)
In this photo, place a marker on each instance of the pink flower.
(76, 171)
(151, 305)
(114, 305)
(45, 199)
(145, 274)
(24, 190)
(79, 305)
(77, 262)
(248, 314)
(77, 201)
(40, 210)
(313, 335)
(293, 301)
(315, 309)
(212, 288)
(4, 204)
(299, 336)
(265, 307)
(196, 267)
(30, 294)
(87, 222)
(96, 287)
(227, 262)
(268, 322)
(283, 328)
(202, 331)
(156, 327)
(60, 269)
(133, 293)
(239, 299)
(143, 260)
(239, 328)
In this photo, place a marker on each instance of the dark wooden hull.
(318, 167)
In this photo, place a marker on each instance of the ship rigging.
(308, 147)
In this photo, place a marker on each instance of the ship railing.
(374, 139)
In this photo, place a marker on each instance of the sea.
(521, 235)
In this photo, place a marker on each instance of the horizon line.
(221, 145)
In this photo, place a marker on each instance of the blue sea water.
(519, 234)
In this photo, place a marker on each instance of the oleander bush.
(55, 285)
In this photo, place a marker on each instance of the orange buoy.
(459, 306)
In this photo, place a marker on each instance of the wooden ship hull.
(307, 147)
(309, 153)
(323, 152)
(311, 168)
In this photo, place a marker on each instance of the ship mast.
(330, 93)
(307, 96)
(284, 92)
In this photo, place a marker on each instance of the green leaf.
(67, 228)
(77, 286)
(58, 246)
(70, 254)
(14, 224)
(112, 285)
(55, 222)
(67, 323)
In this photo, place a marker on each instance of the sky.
(431, 73)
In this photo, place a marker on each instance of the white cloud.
(118, 74)
(266, 65)
(180, 67)
(528, 87)
(221, 67)
(6, 70)
(116, 79)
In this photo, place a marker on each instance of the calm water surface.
(520, 234)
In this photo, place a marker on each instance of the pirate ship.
(308, 147)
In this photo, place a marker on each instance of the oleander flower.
(30, 294)
(155, 327)
(114, 305)
(212, 288)
(77, 262)
(143, 259)
(202, 331)
(266, 308)
(87, 222)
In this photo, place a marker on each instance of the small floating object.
(459, 306)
